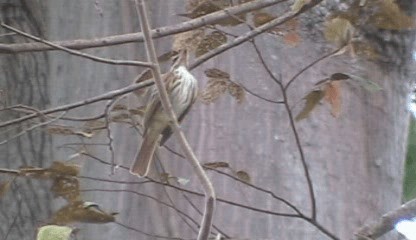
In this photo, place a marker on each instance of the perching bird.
(182, 89)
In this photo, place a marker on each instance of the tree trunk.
(355, 160)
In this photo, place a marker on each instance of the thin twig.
(295, 133)
(135, 37)
(272, 194)
(180, 212)
(205, 229)
(78, 53)
(32, 128)
(153, 236)
(106, 96)
(309, 66)
(253, 33)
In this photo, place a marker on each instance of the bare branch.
(32, 128)
(387, 221)
(78, 53)
(167, 106)
(253, 33)
(136, 37)
(102, 97)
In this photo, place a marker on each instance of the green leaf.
(312, 99)
(366, 83)
(54, 232)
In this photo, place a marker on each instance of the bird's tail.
(144, 156)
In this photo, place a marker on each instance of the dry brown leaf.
(67, 188)
(146, 74)
(216, 165)
(122, 117)
(96, 124)
(41, 173)
(339, 31)
(210, 42)
(168, 55)
(390, 17)
(214, 89)
(63, 168)
(80, 211)
(312, 99)
(291, 38)
(188, 40)
(364, 49)
(205, 7)
(261, 18)
(4, 188)
(119, 107)
(333, 97)
(243, 176)
(138, 111)
(339, 76)
(237, 91)
(216, 73)
(60, 130)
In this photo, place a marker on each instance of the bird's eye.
(175, 58)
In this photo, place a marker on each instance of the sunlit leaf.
(333, 97)
(54, 232)
(312, 99)
(210, 42)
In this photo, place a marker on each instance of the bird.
(182, 89)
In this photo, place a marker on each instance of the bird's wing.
(168, 131)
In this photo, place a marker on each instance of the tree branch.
(253, 33)
(135, 37)
(78, 53)
(167, 106)
(106, 96)
(387, 221)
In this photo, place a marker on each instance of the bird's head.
(179, 58)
